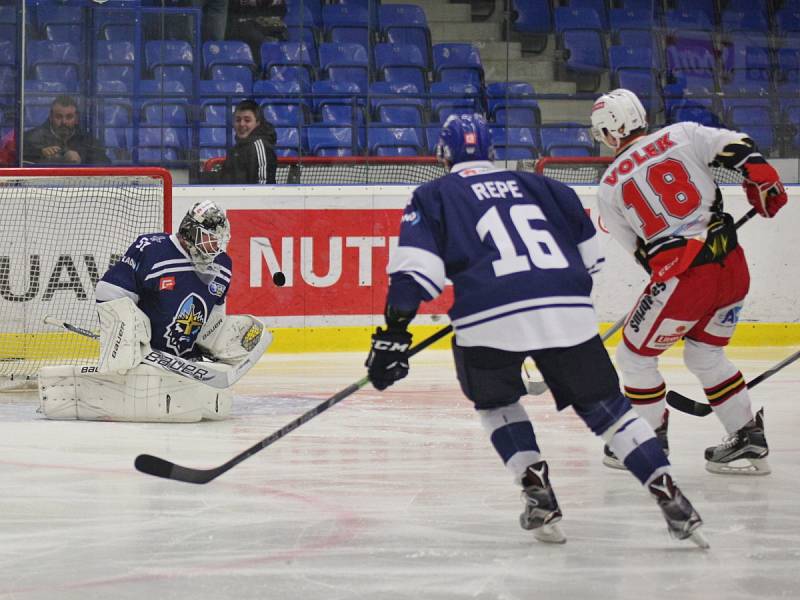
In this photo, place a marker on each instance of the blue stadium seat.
(399, 115)
(745, 21)
(687, 20)
(745, 93)
(331, 141)
(512, 103)
(64, 74)
(458, 62)
(346, 24)
(345, 62)
(241, 74)
(572, 18)
(291, 115)
(393, 141)
(792, 117)
(645, 84)
(183, 75)
(622, 18)
(624, 57)
(450, 97)
(36, 110)
(287, 99)
(598, 6)
(693, 110)
(172, 113)
(45, 87)
(110, 76)
(8, 81)
(406, 24)
(111, 87)
(787, 22)
(513, 143)
(306, 35)
(211, 87)
(8, 52)
(384, 93)
(119, 32)
(160, 87)
(401, 63)
(216, 111)
(231, 52)
(167, 138)
(706, 7)
(585, 61)
(64, 32)
(788, 65)
(334, 92)
(341, 114)
(756, 121)
(287, 61)
(531, 17)
(303, 12)
(114, 112)
(289, 142)
(45, 52)
(116, 142)
(640, 38)
(567, 139)
(167, 52)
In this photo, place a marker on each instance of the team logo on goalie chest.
(185, 326)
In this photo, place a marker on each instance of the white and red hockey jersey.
(662, 184)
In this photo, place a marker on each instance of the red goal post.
(61, 230)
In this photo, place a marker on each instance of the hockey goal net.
(589, 169)
(350, 170)
(61, 229)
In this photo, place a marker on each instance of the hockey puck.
(279, 279)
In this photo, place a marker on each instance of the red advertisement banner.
(334, 262)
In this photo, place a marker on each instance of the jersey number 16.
(543, 250)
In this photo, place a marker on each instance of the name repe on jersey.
(519, 249)
(158, 275)
(661, 185)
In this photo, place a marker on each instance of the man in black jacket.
(59, 140)
(252, 159)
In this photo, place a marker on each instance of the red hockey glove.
(764, 189)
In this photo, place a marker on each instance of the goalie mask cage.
(61, 230)
(351, 170)
(589, 169)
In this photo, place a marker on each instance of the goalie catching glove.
(763, 187)
(388, 357)
(230, 339)
(124, 335)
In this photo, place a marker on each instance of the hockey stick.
(537, 388)
(196, 371)
(152, 465)
(701, 409)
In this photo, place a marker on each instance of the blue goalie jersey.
(519, 249)
(157, 274)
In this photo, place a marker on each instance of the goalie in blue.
(520, 252)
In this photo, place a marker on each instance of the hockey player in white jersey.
(167, 293)
(659, 200)
(520, 250)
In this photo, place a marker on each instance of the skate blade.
(698, 538)
(614, 463)
(550, 534)
(744, 466)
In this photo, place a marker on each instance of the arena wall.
(333, 242)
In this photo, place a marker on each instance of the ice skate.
(743, 452)
(541, 513)
(683, 522)
(610, 459)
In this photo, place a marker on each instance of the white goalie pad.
(143, 394)
(124, 335)
(230, 339)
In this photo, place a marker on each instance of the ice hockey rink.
(386, 496)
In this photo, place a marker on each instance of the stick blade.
(687, 405)
(158, 467)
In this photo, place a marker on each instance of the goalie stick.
(537, 388)
(701, 409)
(153, 465)
(203, 372)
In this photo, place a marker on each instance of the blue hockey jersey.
(518, 248)
(158, 275)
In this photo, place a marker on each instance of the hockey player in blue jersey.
(166, 293)
(520, 252)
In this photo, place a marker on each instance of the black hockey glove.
(388, 358)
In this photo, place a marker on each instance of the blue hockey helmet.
(463, 138)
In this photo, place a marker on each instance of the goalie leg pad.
(144, 394)
(124, 335)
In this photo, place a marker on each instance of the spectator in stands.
(256, 22)
(8, 149)
(215, 18)
(60, 140)
(252, 159)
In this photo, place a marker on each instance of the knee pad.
(637, 371)
(705, 360)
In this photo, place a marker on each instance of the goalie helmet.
(205, 231)
(463, 138)
(616, 115)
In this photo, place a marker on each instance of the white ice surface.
(394, 495)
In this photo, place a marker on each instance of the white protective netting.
(60, 231)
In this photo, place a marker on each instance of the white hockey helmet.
(615, 115)
(205, 231)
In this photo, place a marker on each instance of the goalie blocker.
(121, 388)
